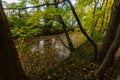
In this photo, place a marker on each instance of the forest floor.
(79, 65)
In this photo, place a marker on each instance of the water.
(46, 51)
(52, 43)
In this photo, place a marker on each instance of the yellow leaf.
(49, 77)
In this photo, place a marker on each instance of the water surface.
(46, 51)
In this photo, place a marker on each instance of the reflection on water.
(43, 52)
(41, 43)
(53, 44)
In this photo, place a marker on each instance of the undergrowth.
(78, 66)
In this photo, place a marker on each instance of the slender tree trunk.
(111, 31)
(70, 44)
(94, 21)
(80, 26)
(10, 67)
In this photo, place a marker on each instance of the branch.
(81, 27)
(61, 21)
(37, 5)
(62, 41)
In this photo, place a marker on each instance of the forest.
(60, 40)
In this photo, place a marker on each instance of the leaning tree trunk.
(82, 30)
(70, 44)
(111, 32)
(10, 67)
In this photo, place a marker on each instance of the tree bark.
(111, 42)
(10, 67)
(109, 58)
(94, 21)
(81, 28)
(111, 31)
(70, 44)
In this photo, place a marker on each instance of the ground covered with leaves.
(78, 66)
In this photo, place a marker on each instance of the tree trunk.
(81, 28)
(111, 31)
(109, 58)
(70, 44)
(94, 21)
(10, 67)
(111, 42)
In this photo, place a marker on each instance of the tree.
(70, 44)
(111, 31)
(81, 28)
(10, 66)
(111, 42)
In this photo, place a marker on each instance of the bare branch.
(37, 5)
(62, 41)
